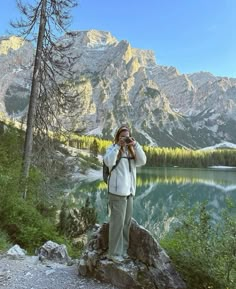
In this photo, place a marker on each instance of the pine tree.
(48, 97)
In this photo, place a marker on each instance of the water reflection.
(163, 191)
(184, 176)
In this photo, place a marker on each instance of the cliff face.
(120, 84)
(16, 58)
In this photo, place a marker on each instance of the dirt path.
(30, 273)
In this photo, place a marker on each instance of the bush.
(30, 222)
(25, 225)
(4, 241)
(203, 252)
(20, 219)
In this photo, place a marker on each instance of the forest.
(164, 156)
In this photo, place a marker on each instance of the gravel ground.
(30, 273)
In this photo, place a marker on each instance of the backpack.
(106, 172)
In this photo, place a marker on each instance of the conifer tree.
(42, 23)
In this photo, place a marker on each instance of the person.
(122, 158)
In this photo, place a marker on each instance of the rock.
(54, 252)
(148, 267)
(83, 267)
(16, 252)
(81, 240)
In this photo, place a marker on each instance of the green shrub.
(203, 252)
(26, 226)
(4, 241)
(29, 222)
(20, 219)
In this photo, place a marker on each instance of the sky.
(191, 35)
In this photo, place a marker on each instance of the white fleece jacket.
(122, 180)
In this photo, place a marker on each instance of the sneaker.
(116, 259)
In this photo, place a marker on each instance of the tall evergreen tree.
(42, 23)
(94, 148)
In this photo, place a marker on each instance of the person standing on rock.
(122, 158)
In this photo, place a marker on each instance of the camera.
(127, 139)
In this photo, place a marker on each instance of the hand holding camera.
(127, 141)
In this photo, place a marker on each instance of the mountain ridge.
(125, 85)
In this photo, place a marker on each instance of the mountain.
(120, 84)
(16, 58)
(224, 145)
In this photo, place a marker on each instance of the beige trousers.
(121, 211)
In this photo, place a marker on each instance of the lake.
(162, 192)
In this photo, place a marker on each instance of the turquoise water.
(161, 192)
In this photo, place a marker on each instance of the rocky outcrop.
(148, 267)
(16, 59)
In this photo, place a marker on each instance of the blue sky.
(192, 35)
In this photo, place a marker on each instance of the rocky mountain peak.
(94, 39)
(200, 78)
(11, 42)
(118, 83)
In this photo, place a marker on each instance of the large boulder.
(148, 267)
(54, 252)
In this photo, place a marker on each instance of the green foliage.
(75, 221)
(30, 222)
(4, 241)
(88, 162)
(204, 252)
(164, 157)
(94, 149)
(88, 214)
(84, 142)
(24, 224)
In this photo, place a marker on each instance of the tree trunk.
(28, 144)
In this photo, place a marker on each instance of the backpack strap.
(108, 180)
(117, 162)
